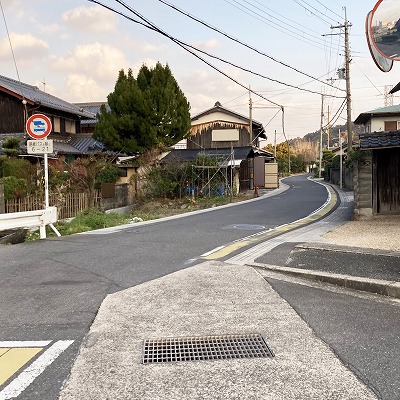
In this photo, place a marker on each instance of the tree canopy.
(145, 112)
(297, 164)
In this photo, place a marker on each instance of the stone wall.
(119, 197)
(363, 195)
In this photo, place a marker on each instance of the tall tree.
(146, 112)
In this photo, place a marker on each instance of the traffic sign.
(38, 126)
(38, 146)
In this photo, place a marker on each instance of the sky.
(286, 51)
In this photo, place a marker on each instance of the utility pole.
(251, 116)
(320, 138)
(328, 131)
(346, 27)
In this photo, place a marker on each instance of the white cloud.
(81, 88)
(94, 18)
(27, 48)
(10, 4)
(97, 61)
(207, 45)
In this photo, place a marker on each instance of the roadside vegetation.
(92, 219)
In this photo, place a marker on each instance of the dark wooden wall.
(12, 117)
(202, 135)
(387, 191)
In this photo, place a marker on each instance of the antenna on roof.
(44, 85)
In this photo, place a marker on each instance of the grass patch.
(92, 219)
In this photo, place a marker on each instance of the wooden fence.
(68, 205)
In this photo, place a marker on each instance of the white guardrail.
(29, 219)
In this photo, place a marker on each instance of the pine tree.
(146, 112)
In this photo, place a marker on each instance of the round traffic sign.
(38, 126)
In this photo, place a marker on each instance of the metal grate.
(202, 348)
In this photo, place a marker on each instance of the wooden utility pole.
(328, 131)
(251, 116)
(320, 137)
(346, 27)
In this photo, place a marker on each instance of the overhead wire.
(293, 33)
(153, 27)
(313, 13)
(285, 19)
(284, 26)
(240, 42)
(187, 47)
(327, 8)
(11, 47)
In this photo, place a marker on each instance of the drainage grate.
(202, 348)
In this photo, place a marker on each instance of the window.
(56, 124)
(391, 125)
(70, 126)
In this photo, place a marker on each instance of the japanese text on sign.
(40, 146)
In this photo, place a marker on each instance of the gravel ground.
(382, 232)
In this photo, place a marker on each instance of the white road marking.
(27, 343)
(29, 374)
(212, 251)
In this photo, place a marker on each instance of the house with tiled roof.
(232, 141)
(87, 125)
(377, 174)
(18, 101)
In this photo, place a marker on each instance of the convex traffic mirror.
(383, 31)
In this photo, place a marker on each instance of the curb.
(377, 286)
(347, 249)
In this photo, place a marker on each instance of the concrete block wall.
(363, 189)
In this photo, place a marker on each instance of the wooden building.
(18, 101)
(377, 173)
(233, 141)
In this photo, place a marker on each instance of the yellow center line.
(277, 231)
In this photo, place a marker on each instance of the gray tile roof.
(379, 140)
(87, 145)
(37, 96)
(76, 145)
(240, 153)
(93, 108)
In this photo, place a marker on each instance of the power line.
(281, 28)
(184, 46)
(313, 13)
(187, 47)
(240, 42)
(285, 27)
(326, 8)
(9, 39)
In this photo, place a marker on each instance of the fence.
(68, 205)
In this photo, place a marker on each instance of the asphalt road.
(51, 289)
(362, 330)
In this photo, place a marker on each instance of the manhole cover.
(245, 227)
(202, 348)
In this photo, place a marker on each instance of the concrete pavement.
(212, 298)
(231, 297)
(368, 270)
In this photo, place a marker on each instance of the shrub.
(14, 188)
(109, 174)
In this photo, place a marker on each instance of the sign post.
(38, 127)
